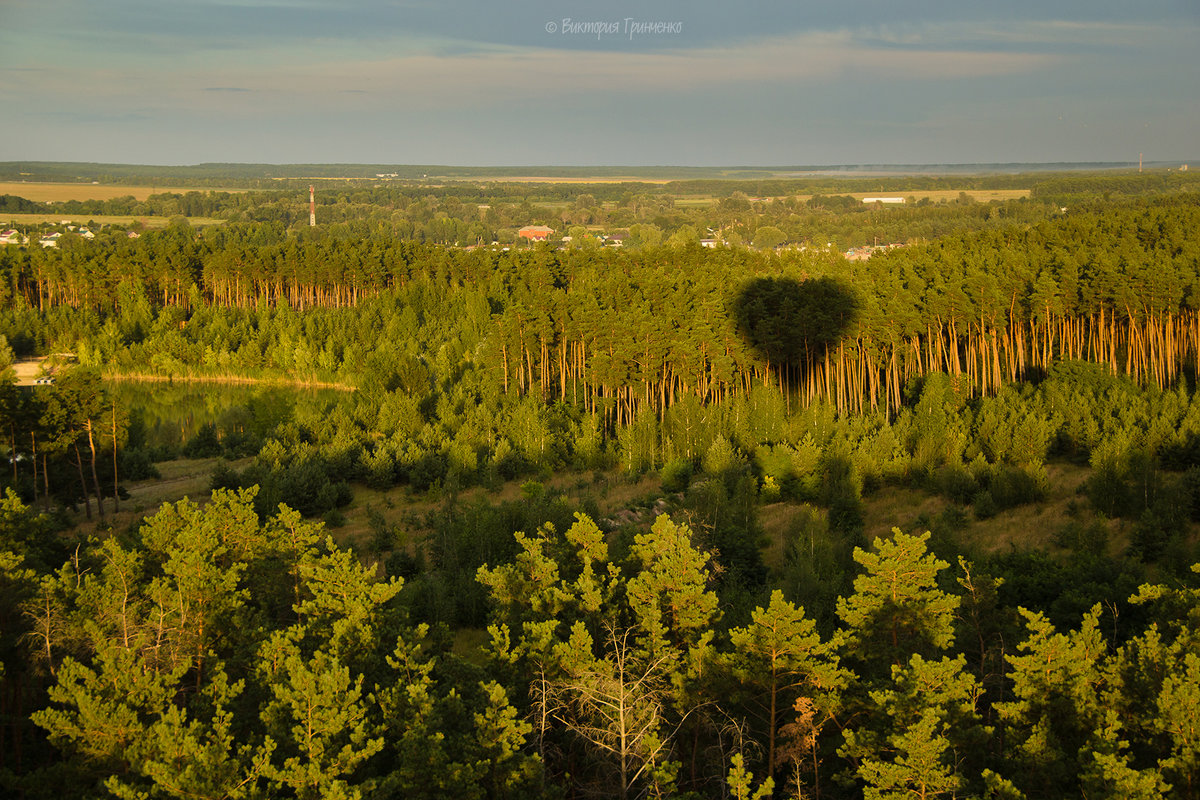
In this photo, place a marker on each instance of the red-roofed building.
(536, 233)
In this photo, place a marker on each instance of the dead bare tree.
(616, 704)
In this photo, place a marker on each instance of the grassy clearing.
(900, 507)
(1028, 527)
(61, 192)
(399, 507)
(27, 371)
(102, 219)
(184, 477)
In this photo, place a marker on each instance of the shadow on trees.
(792, 323)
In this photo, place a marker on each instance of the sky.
(606, 82)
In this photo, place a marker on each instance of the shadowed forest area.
(572, 519)
(790, 323)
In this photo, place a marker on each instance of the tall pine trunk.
(116, 483)
(95, 478)
(87, 503)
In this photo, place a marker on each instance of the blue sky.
(519, 82)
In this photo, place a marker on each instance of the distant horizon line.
(266, 175)
(575, 166)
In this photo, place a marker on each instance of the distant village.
(50, 238)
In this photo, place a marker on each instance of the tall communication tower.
(312, 207)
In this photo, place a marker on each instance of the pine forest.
(727, 489)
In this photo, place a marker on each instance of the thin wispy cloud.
(493, 74)
(1032, 36)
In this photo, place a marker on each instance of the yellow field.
(60, 192)
(18, 220)
(540, 179)
(979, 195)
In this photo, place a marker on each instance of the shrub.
(204, 444)
(676, 475)
(224, 477)
(956, 484)
(1013, 486)
(1092, 539)
(1190, 492)
(136, 465)
(1158, 526)
(770, 491)
(985, 505)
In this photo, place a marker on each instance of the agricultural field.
(568, 180)
(62, 192)
(978, 195)
(941, 195)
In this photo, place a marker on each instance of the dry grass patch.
(407, 512)
(615, 491)
(1028, 527)
(1032, 526)
(183, 477)
(899, 507)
